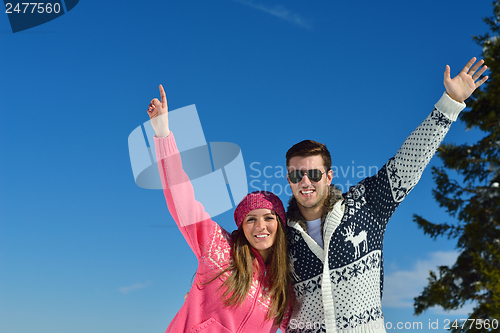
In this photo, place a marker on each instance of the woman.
(242, 283)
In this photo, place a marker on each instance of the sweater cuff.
(449, 107)
(165, 146)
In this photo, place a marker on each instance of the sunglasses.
(314, 175)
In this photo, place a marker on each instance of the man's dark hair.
(310, 148)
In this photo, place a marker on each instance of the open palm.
(463, 85)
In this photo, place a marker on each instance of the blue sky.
(80, 249)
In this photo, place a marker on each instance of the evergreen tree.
(474, 202)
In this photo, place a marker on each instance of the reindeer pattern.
(356, 240)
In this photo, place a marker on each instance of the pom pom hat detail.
(257, 200)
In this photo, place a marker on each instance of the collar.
(294, 214)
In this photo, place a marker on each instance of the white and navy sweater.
(339, 289)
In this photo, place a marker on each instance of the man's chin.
(308, 204)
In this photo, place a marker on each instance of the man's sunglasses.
(314, 175)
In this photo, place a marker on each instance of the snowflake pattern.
(399, 191)
(441, 119)
(357, 283)
(218, 252)
(307, 287)
(392, 172)
(360, 319)
(218, 257)
(370, 262)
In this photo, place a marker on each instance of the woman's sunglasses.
(314, 175)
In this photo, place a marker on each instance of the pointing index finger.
(163, 97)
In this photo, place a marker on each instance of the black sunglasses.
(314, 175)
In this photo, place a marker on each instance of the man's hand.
(158, 113)
(463, 85)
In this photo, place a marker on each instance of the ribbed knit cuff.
(165, 146)
(449, 107)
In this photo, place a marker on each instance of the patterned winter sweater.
(339, 289)
(203, 310)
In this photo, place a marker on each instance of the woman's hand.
(463, 85)
(158, 113)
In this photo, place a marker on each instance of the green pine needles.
(474, 203)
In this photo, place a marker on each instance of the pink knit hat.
(257, 200)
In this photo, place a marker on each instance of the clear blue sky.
(78, 252)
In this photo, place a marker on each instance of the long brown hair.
(241, 268)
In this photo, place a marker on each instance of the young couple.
(319, 267)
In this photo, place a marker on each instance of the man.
(335, 240)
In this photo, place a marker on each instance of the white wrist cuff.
(449, 107)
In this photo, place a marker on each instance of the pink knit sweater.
(203, 310)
